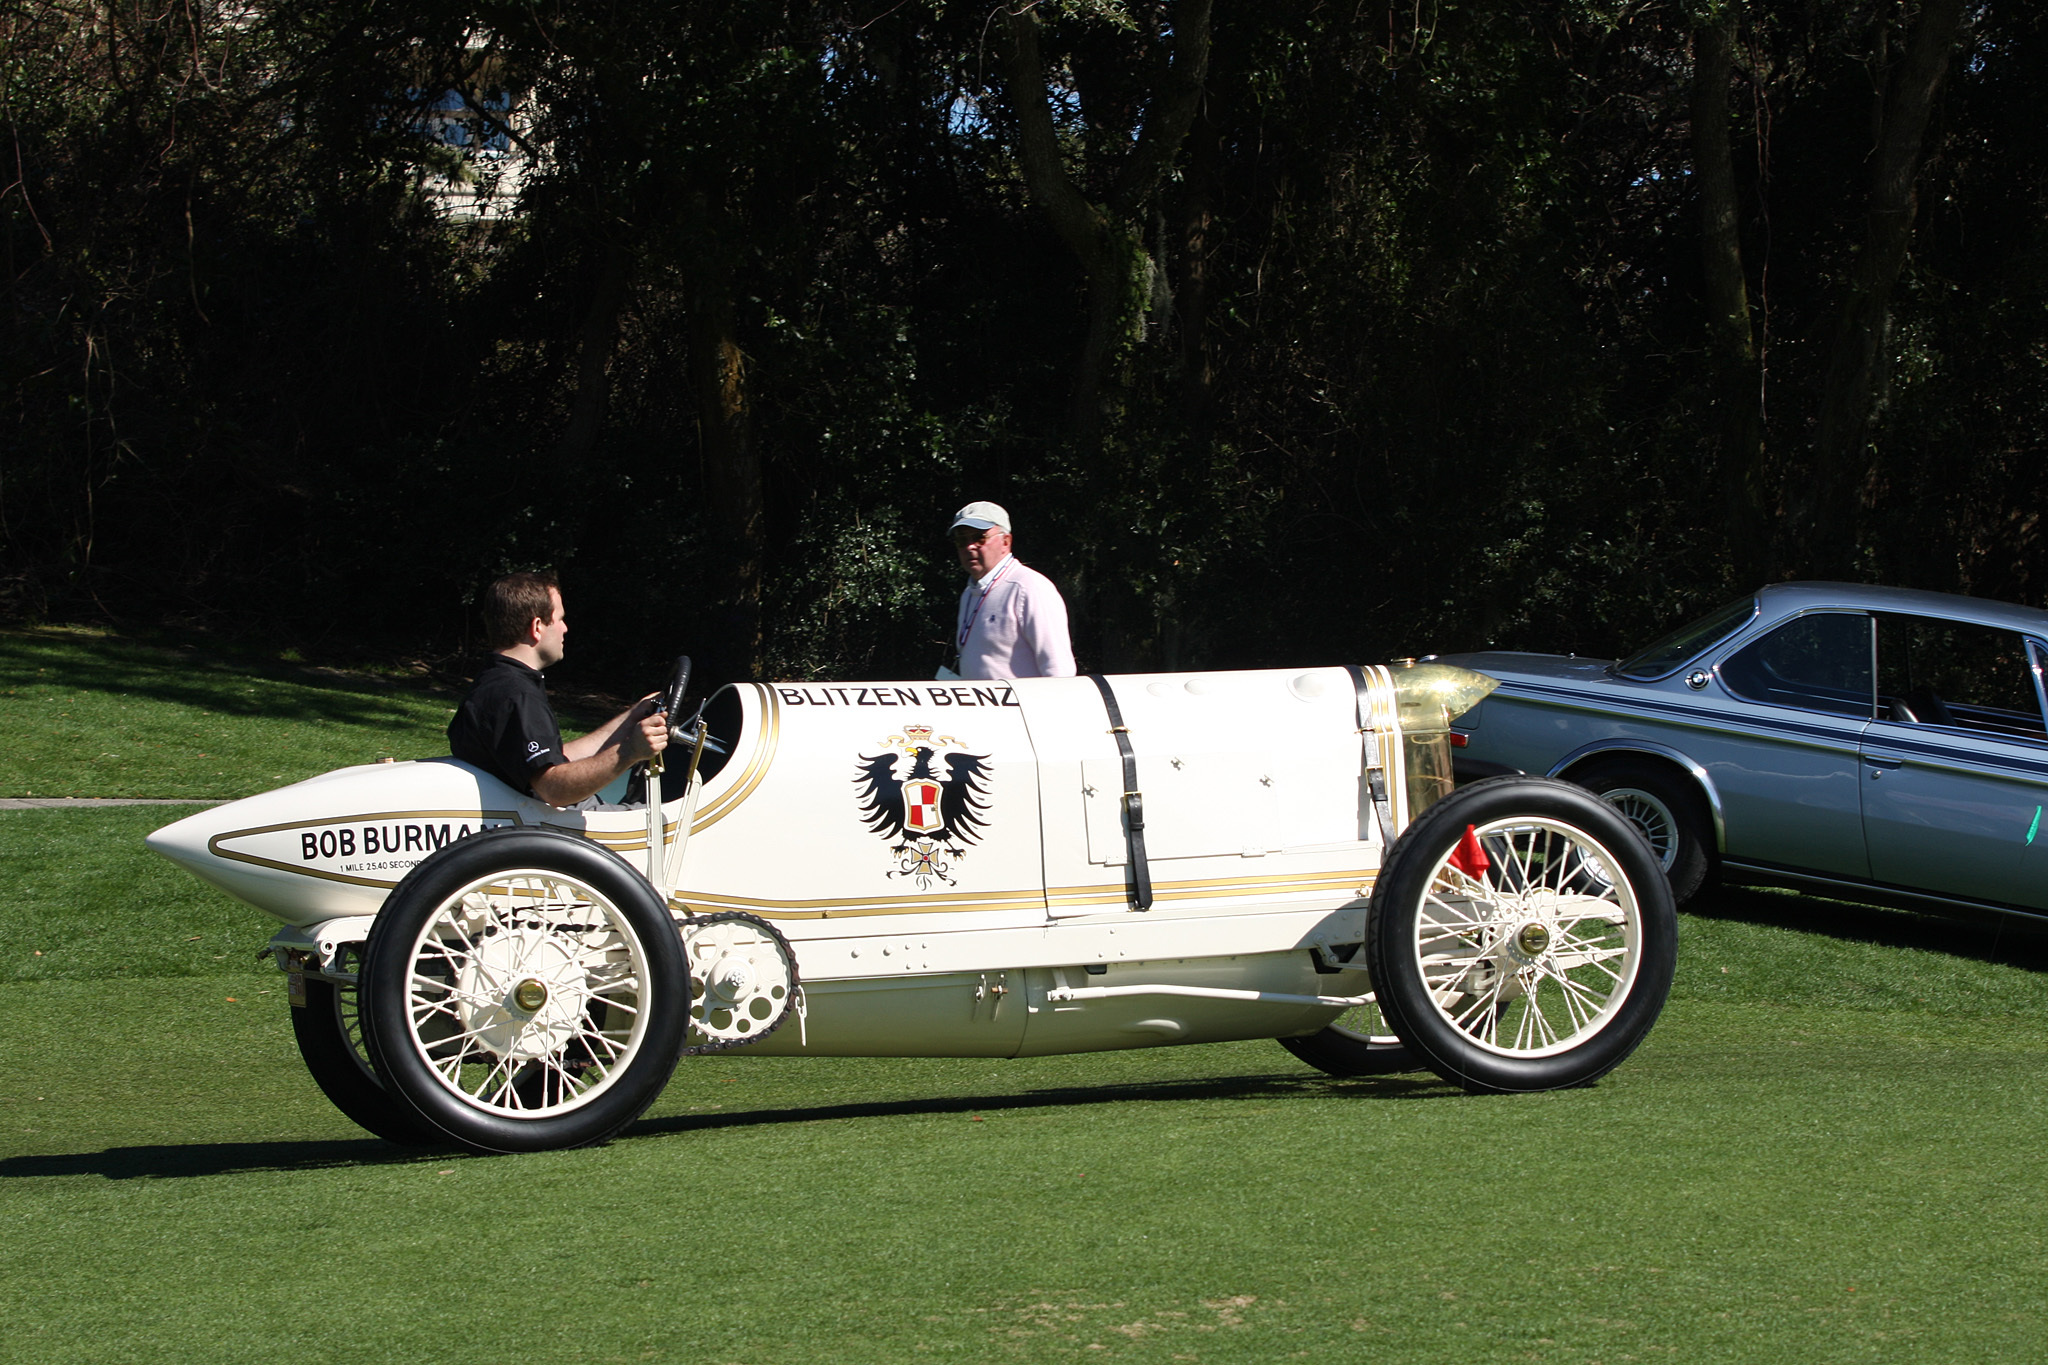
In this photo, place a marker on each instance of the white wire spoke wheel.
(1544, 970)
(1539, 949)
(743, 979)
(525, 990)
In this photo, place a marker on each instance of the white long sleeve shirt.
(1013, 624)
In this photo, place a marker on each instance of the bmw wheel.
(1667, 810)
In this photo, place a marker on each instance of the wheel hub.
(523, 992)
(743, 978)
(730, 981)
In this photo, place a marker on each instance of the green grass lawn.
(1829, 1150)
(92, 714)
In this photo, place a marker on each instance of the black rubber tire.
(1342, 1052)
(343, 1073)
(1560, 825)
(1345, 1049)
(405, 1055)
(1648, 793)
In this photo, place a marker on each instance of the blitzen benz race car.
(964, 869)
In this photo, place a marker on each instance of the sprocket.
(743, 980)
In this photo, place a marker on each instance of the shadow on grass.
(170, 1162)
(126, 668)
(1417, 1086)
(206, 682)
(166, 1161)
(2008, 940)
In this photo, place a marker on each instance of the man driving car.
(506, 725)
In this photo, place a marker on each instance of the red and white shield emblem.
(921, 806)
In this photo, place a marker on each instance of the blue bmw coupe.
(1882, 744)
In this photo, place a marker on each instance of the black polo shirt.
(505, 725)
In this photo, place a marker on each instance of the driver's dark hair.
(514, 602)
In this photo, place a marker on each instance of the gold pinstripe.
(768, 737)
(213, 845)
(963, 902)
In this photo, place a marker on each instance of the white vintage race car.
(951, 869)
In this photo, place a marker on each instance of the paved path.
(84, 802)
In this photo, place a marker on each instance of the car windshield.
(1658, 659)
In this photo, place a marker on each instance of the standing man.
(506, 726)
(1012, 621)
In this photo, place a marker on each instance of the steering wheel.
(1925, 705)
(678, 683)
(683, 729)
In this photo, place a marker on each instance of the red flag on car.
(1470, 858)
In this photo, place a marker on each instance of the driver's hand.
(654, 731)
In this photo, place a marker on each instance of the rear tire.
(329, 1034)
(1547, 968)
(1358, 1043)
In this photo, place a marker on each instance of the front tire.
(1667, 810)
(525, 990)
(1542, 969)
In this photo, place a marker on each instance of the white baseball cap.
(981, 516)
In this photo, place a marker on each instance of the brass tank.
(1428, 697)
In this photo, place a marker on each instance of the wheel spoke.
(1518, 857)
(1544, 1032)
(437, 992)
(571, 1083)
(585, 1033)
(1597, 958)
(1485, 1006)
(490, 1051)
(1531, 1026)
(1580, 1002)
(1537, 959)
(451, 1067)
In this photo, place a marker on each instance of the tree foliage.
(1290, 332)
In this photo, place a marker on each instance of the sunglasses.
(963, 536)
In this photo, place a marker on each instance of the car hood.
(1509, 666)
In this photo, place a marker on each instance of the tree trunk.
(1854, 390)
(1734, 376)
(600, 337)
(1107, 239)
(731, 471)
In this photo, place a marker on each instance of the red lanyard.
(967, 629)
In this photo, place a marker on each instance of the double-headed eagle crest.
(927, 819)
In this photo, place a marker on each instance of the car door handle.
(1880, 764)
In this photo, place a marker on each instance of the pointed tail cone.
(1470, 858)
